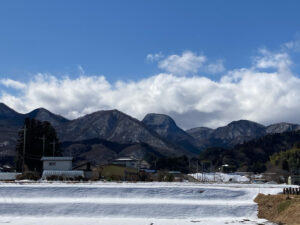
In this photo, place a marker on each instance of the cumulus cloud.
(187, 63)
(244, 93)
(12, 83)
(279, 60)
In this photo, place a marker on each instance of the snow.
(220, 177)
(130, 203)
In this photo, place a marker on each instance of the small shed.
(59, 167)
(57, 163)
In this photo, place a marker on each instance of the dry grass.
(280, 209)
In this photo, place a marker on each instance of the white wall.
(57, 165)
(8, 175)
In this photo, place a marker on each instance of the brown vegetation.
(281, 209)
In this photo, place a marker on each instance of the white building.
(7, 176)
(57, 163)
(59, 166)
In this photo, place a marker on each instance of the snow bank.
(220, 177)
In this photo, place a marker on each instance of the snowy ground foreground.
(220, 177)
(130, 203)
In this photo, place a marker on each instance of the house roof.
(57, 158)
(125, 159)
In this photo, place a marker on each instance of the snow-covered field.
(130, 203)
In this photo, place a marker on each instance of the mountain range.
(103, 135)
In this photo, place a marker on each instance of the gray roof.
(126, 159)
(57, 158)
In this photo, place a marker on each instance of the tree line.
(35, 139)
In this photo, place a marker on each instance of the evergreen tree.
(40, 140)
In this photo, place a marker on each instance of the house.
(131, 162)
(127, 162)
(86, 168)
(117, 172)
(59, 167)
(7, 173)
(6, 168)
(144, 164)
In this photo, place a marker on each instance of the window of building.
(52, 163)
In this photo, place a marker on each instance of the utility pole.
(197, 170)
(202, 171)
(53, 143)
(44, 142)
(24, 148)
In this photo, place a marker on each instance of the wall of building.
(57, 165)
(8, 175)
(116, 172)
(130, 164)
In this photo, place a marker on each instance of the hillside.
(10, 124)
(111, 125)
(236, 132)
(99, 151)
(156, 134)
(115, 126)
(252, 155)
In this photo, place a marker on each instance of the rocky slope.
(45, 115)
(115, 126)
(166, 127)
(282, 127)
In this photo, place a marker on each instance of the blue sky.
(114, 38)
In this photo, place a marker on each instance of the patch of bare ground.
(281, 209)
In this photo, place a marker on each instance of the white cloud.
(187, 63)
(217, 67)
(279, 60)
(12, 83)
(244, 93)
(292, 45)
(154, 57)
